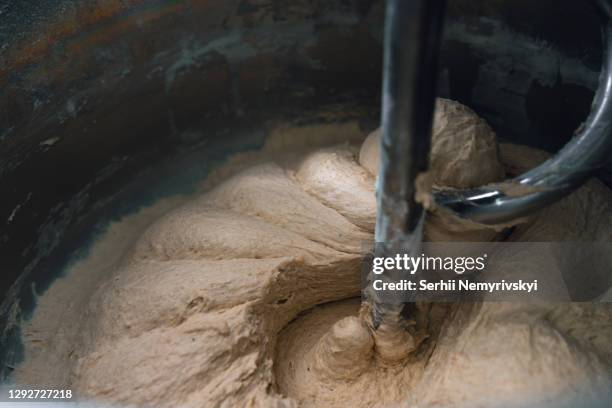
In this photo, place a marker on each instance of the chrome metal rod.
(588, 151)
(411, 48)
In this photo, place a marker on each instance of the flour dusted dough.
(246, 296)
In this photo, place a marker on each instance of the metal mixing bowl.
(94, 92)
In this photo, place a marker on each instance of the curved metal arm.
(589, 150)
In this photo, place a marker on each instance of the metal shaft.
(412, 40)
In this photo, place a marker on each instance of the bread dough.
(246, 295)
(463, 151)
(464, 154)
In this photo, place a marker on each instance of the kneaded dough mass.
(247, 295)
